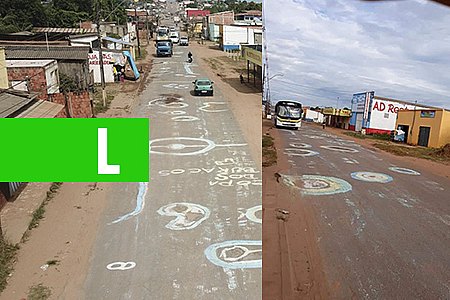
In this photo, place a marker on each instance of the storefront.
(428, 128)
(374, 114)
(253, 56)
(339, 118)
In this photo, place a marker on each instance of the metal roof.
(12, 101)
(65, 30)
(117, 41)
(23, 63)
(41, 109)
(40, 52)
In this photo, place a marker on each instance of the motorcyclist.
(190, 56)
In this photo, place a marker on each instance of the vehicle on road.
(203, 86)
(174, 37)
(288, 113)
(164, 48)
(184, 41)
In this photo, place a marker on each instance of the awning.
(41, 109)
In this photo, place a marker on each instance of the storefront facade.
(428, 128)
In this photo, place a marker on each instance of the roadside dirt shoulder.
(292, 265)
(244, 101)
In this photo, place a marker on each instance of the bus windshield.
(289, 111)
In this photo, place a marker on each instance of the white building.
(314, 116)
(109, 59)
(377, 114)
(232, 36)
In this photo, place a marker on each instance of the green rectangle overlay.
(67, 150)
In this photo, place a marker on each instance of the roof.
(405, 102)
(41, 109)
(117, 41)
(12, 101)
(64, 30)
(16, 63)
(40, 52)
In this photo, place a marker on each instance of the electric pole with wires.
(100, 52)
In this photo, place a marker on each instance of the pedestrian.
(324, 123)
(241, 78)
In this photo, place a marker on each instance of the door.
(359, 119)
(424, 136)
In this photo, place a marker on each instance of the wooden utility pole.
(137, 28)
(100, 54)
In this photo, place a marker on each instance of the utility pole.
(100, 53)
(137, 27)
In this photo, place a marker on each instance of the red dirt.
(292, 266)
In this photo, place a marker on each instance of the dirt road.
(367, 224)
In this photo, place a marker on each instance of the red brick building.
(36, 76)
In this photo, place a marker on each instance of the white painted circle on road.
(371, 177)
(340, 149)
(404, 171)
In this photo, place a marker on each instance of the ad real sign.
(75, 150)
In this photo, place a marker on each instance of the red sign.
(391, 108)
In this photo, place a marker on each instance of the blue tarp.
(132, 64)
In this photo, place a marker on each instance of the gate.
(424, 136)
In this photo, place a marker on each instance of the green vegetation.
(376, 136)
(19, 15)
(39, 292)
(236, 6)
(67, 84)
(269, 153)
(436, 154)
(98, 101)
(38, 214)
(7, 257)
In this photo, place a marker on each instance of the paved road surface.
(382, 235)
(205, 189)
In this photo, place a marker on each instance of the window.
(386, 116)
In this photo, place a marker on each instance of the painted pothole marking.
(340, 149)
(300, 152)
(187, 215)
(317, 185)
(185, 118)
(371, 177)
(236, 254)
(404, 171)
(184, 146)
(300, 145)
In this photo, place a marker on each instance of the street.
(193, 231)
(379, 225)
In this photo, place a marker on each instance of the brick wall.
(37, 82)
(78, 104)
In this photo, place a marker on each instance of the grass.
(435, 154)
(8, 254)
(39, 292)
(98, 101)
(38, 214)
(376, 136)
(269, 153)
(143, 54)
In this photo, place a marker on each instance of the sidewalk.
(17, 215)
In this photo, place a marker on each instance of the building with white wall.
(232, 36)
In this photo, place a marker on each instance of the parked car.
(184, 41)
(203, 86)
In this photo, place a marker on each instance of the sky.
(325, 49)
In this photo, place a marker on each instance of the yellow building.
(429, 128)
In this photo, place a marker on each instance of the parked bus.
(288, 113)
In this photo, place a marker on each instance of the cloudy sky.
(327, 49)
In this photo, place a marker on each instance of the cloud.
(328, 49)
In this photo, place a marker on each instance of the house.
(72, 61)
(253, 17)
(313, 115)
(87, 40)
(193, 12)
(214, 20)
(428, 128)
(232, 36)
(37, 76)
